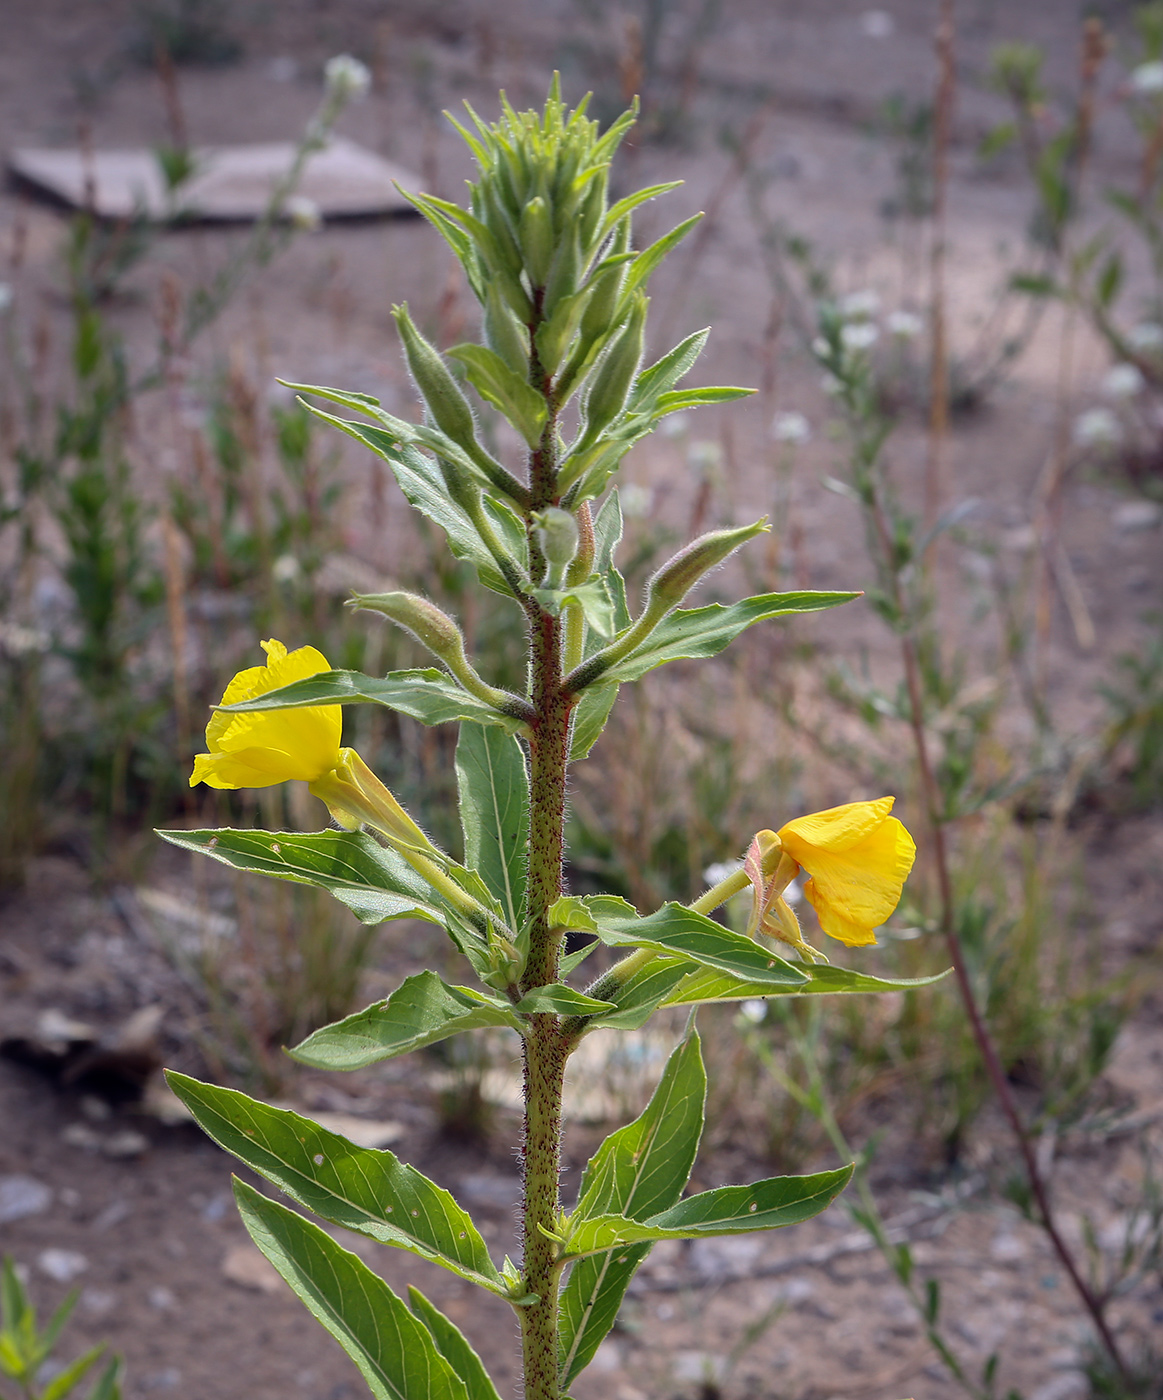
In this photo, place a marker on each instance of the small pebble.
(62, 1265)
(22, 1196)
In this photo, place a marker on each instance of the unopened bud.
(536, 236)
(505, 335)
(557, 537)
(678, 576)
(449, 408)
(426, 622)
(564, 272)
(347, 78)
(615, 374)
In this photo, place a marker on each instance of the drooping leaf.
(454, 1346)
(422, 1010)
(638, 1171)
(678, 930)
(373, 882)
(565, 1001)
(360, 1188)
(726, 1210)
(701, 632)
(395, 1353)
(589, 718)
(428, 695)
(494, 812)
(706, 985)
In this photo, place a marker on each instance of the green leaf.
(638, 1171)
(454, 1346)
(639, 998)
(705, 985)
(727, 1210)
(644, 264)
(678, 930)
(701, 632)
(557, 997)
(665, 373)
(108, 1385)
(589, 718)
(427, 695)
(372, 881)
(516, 398)
(72, 1375)
(617, 212)
(359, 1188)
(422, 1010)
(695, 398)
(493, 788)
(592, 597)
(395, 1353)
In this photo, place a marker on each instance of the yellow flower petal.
(265, 747)
(858, 858)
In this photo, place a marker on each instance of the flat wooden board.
(231, 183)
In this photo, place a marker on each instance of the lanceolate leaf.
(647, 990)
(421, 1011)
(727, 1210)
(590, 715)
(428, 695)
(638, 1171)
(454, 1346)
(357, 1187)
(494, 812)
(706, 985)
(393, 1350)
(676, 929)
(699, 632)
(372, 881)
(492, 378)
(557, 997)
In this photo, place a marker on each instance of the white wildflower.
(23, 641)
(304, 213)
(347, 78)
(821, 349)
(831, 385)
(1148, 77)
(1123, 381)
(636, 501)
(859, 306)
(754, 1009)
(859, 335)
(286, 569)
(905, 325)
(1097, 427)
(1147, 335)
(704, 457)
(790, 427)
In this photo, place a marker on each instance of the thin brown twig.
(939, 362)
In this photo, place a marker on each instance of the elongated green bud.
(557, 537)
(615, 374)
(449, 408)
(536, 236)
(564, 273)
(426, 622)
(504, 334)
(670, 585)
(593, 207)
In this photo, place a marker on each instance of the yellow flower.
(858, 858)
(263, 747)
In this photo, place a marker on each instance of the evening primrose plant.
(562, 288)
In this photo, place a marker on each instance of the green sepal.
(677, 930)
(394, 1352)
(726, 1210)
(428, 695)
(558, 998)
(372, 881)
(506, 390)
(705, 985)
(423, 1010)
(639, 1170)
(701, 632)
(493, 790)
(360, 1188)
(454, 1346)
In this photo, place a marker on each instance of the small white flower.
(831, 385)
(304, 213)
(1148, 77)
(347, 78)
(721, 870)
(636, 501)
(23, 641)
(1147, 335)
(676, 425)
(790, 427)
(754, 1009)
(1123, 381)
(905, 325)
(704, 457)
(821, 349)
(859, 306)
(286, 569)
(5, 297)
(1097, 427)
(859, 335)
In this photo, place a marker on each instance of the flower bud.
(449, 408)
(536, 237)
(615, 374)
(564, 273)
(504, 333)
(678, 576)
(347, 78)
(557, 537)
(426, 622)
